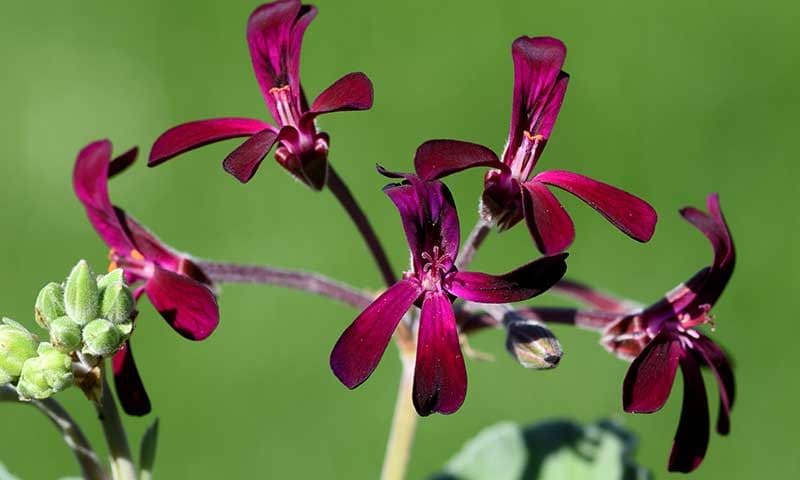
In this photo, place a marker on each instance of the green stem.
(404, 423)
(122, 466)
(72, 433)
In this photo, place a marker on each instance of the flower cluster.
(432, 306)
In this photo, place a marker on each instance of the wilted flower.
(662, 337)
(175, 285)
(511, 191)
(431, 226)
(274, 34)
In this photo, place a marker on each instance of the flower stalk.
(404, 423)
(122, 466)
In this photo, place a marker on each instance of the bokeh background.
(670, 100)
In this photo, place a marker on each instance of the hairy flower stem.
(346, 199)
(122, 466)
(308, 282)
(476, 237)
(404, 423)
(72, 433)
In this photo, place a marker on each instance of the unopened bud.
(46, 374)
(113, 277)
(49, 304)
(17, 345)
(533, 344)
(101, 338)
(81, 295)
(65, 334)
(117, 303)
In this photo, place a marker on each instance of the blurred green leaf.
(147, 453)
(5, 474)
(553, 450)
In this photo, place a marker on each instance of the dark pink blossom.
(274, 35)
(431, 226)
(175, 285)
(663, 337)
(511, 190)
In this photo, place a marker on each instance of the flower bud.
(46, 374)
(113, 277)
(533, 344)
(49, 304)
(65, 334)
(101, 338)
(81, 295)
(117, 303)
(17, 345)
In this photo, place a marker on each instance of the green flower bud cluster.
(87, 317)
(89, 314)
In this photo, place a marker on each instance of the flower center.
(133, 264)
(434, 268)
(285, 106)
(524, 159)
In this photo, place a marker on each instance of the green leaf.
(147, 451)
(552, 450)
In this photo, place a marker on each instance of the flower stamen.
(287, 110)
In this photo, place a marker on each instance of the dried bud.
(111, 278)
(81, 295)
(17, 345)
(533, 344)
(46, 374)
(117, 303)
(65, 334)
(101, 338)
(49, 304)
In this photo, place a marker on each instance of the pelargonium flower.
(175, 285)
(431, 226)
(511, 191)
(274, 34)
(662, 337)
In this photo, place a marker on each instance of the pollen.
(136, 255)
(534, 138)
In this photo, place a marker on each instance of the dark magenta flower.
(662, 337)
(511, 191)
(175, 285)
(431, 226)
(274, 34)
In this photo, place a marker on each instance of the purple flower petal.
(548, 222)
(243, 162)
(521, 284)
(429, 219)
(275, 35)
(149, 245)
(438, 158)
(187, 305)
(361, 346)
(130, 388)
(351, 92)
(632, 215)
(189, 136)
(650, 376)
(122, 162)
(691, 439)
(90, 181)
(440, 378)
(719, 364)
(536, 101)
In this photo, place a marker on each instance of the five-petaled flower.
(175, 285)
(431, 226)
(510, 191)
(662, 337)
(274, 34)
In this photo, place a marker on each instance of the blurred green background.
(670, 100)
